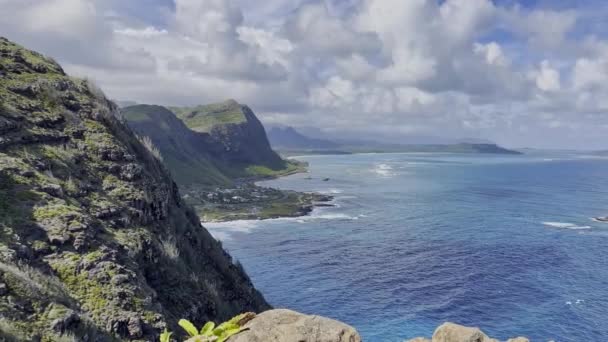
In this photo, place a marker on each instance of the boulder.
(285, 325)
(450, 332)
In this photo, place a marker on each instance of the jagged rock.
(3, 289)
(285, 325)
(87, 174)
(66, 322)
(130, 171)
(7, 125)
(450, 332)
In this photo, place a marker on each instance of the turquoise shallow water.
(504, 243)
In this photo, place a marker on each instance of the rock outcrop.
(96, 243)
(183, 151)
(232, 133)
(209, 145)
(286, 326)
(450, 332)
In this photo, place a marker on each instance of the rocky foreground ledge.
(286, 326)
(450, 332)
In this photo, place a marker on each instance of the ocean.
(505, 243)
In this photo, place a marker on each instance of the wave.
(225, 230)
(332, 191)
(565, 225)
(384, 170)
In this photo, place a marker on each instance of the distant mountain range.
(285, 138)
(288, 140)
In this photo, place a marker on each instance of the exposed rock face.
(95, 240)
(450, 332)
(183, 151)
(208, 145)
(233, 133)
(286, 326)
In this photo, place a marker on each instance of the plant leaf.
(223, 327)
(236, 318)
(188, 326)
(207, 329)
(165, 336)
(227, 333)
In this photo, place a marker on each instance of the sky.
(530, 73)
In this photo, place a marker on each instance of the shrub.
(209, 332)
(149, 145)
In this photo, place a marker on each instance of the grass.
(290, 167)
(205, 118)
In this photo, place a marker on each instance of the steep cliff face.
(233, 134)
(183, 151)
(95, 241)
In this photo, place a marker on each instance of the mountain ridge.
(289, 140)
(95, 240)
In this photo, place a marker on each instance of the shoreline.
(252, 202)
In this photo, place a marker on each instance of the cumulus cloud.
(391, 68)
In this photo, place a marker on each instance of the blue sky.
(522, 73)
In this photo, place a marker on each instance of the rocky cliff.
(95, 241)
(233, 134)
(184, 151)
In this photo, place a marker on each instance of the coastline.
(250, 201)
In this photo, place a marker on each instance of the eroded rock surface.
(95, 240)
(289, 326)
(450, 332)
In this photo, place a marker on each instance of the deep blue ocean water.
(505, 243)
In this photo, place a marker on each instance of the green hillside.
(96, 243)
(182, 151)
(204, 118)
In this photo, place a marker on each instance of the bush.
(149, 145)
(209, 332)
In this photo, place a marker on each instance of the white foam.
(335, 216)
(565, 225)
(224, 230)
(384, 170)
(332, 191)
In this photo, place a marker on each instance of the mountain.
(211, 145)
(290, 141)
(439, 148)
(96, 243)
(183, 150)
(287, 138)
(124, 103)
(233, 134)
(460, 148)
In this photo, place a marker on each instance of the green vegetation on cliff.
(233, 135)
(182, 150)
(204, 118)
(225, 157)
(95, 240)
(211, 145)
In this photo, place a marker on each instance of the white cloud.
(492, 53)
(457, 67)
(547, 78)
(590, 73)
